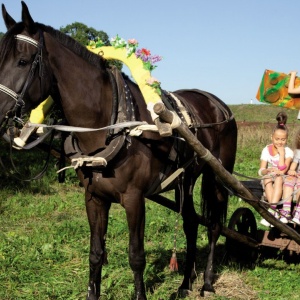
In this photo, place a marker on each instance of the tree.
(83, 34)
(1, 35)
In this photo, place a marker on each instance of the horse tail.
(214, 198)
(214, 194)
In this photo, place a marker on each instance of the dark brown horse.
(47, 62)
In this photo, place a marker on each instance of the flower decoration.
(118, 42)
(144, 54)
(96, 43)
(148, 60)
(154, 83)
(131, 46)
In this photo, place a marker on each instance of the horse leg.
(184, 197)
(215, 198)
(214, 231)
(97, 212)
(135, 212)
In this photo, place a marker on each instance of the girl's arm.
(287, 165)
(291, 88)
(292, 170)
(263, 168)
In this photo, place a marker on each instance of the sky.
(219, 46)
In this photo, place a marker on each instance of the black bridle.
(37, 62)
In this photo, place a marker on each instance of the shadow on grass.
(222, 261)
(267, 253)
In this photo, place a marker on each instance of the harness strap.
(18, 176)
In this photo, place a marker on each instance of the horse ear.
(8, 20)
(27, 20)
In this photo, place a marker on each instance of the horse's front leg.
(135, 211)
(97, 212)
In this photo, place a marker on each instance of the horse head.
(25, 76)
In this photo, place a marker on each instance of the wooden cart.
(241, 234)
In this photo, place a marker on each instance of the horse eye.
(22, 63)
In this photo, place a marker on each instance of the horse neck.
(85, 90)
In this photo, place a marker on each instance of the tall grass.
(44, 241)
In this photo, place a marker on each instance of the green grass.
(261, 113)
(44, 238)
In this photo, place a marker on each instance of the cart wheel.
(243, 222)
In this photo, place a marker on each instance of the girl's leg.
(288, 190)
(268, 187)
(269, 191)
(296, 214)
(277, 190)
(277, 194)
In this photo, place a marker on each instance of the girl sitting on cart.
(293, 181)
(275, 162)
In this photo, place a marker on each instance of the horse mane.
(8, 43)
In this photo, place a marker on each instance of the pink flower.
(132, 41)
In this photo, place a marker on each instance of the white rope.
(294, 192)
(176, 121)
(137, 131)
(83, 129)
(139, 127)
(88, 161)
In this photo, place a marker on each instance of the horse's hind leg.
(213, 236)
(215, 197)
(97, 212)
(183, 195)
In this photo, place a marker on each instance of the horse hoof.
(183, 293)
(207, 290)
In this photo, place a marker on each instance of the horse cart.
(243, 239)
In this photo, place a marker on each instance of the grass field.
(44, 236)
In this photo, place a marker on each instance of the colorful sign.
(273, 90)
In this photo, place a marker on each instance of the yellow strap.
(136, 67)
